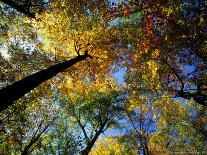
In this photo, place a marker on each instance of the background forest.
(103, 77)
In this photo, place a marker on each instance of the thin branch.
(175, 73)
(83, 129)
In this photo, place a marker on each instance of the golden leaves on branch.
(74, 88)
(109, 145)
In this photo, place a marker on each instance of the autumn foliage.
(103, 77)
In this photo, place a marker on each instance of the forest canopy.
(103, 77)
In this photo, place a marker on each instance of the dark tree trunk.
(91, 143)
(198, 97)
(93, 140)
(19, 8)
(18, 89)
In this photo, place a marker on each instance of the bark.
(198, 97)
(147, 149)
(144, 145)
(91, 143)
(18, 89)
(93, 140)
(19, 8)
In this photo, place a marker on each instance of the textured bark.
(19, 8)
(18, 89)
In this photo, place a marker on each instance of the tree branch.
(18, 89)
(19, 8)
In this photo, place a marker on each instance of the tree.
(143, 86)
(185, 49)
(141, 118)
(18, 7)
(159, 46)
(142, 126)
(94, 110)
(20, 88)
(15, 91)
(22, 128)
(28, 7)
(177, 132)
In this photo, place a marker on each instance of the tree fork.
(15, 91)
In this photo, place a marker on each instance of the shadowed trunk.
(198, 97)
(93, 140)
(19, 8)
(90, 144)
(18, 89)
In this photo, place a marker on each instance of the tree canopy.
(103, 77)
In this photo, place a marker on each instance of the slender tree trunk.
(35, 138)
(144, 145)
(147, 148)
(93, 140)
(91, 143)
(18, 89)
(19, 8)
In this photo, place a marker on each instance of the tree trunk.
(198, 97)
(18, 7)
(93, 140)
(35, 138)
(18, 89)
(88, 147)
(91, 143)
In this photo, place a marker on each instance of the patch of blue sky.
(119, 75)
(114, 132)
(190, 68)
(182, 101)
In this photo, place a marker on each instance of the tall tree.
(13, 92)
(94, 110)
(185, 59)
(22, 127)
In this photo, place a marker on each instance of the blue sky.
(120, 76)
